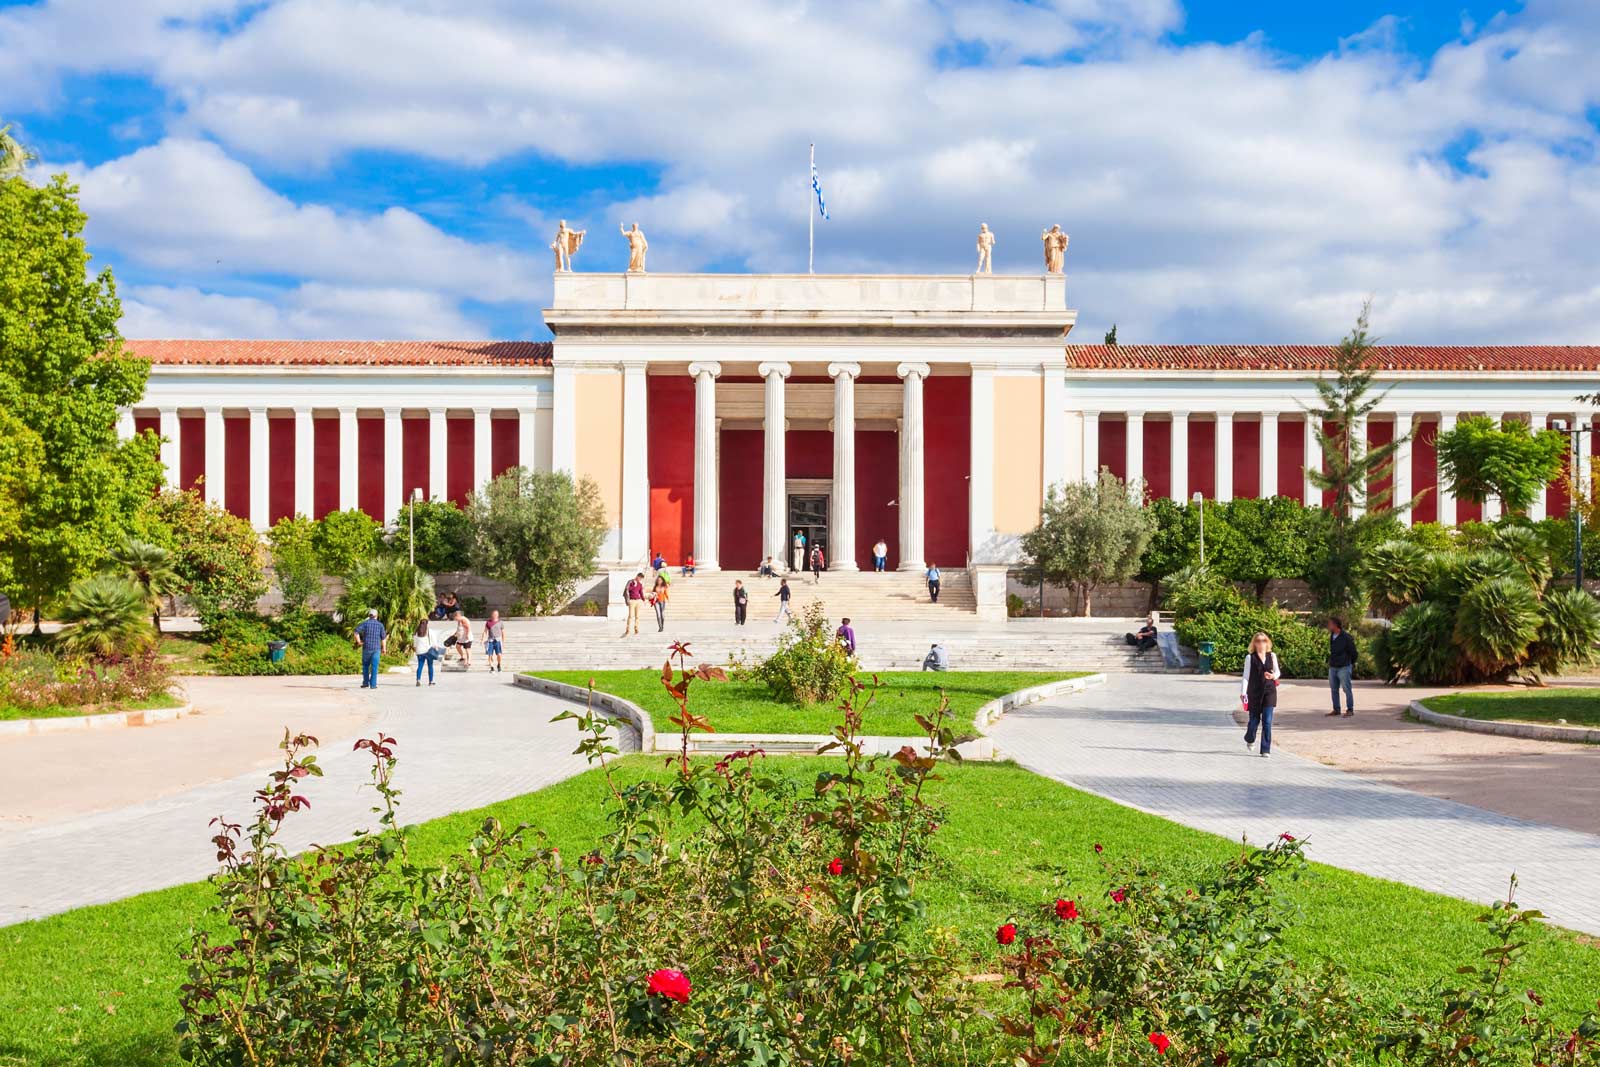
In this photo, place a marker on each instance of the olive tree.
(1090, 533)
(538, 530)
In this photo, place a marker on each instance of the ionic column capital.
(767, 370)
(697, 369)
(906, 370)
(847, 370)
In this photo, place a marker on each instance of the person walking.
(371, 637)
(494, 640)
(463, 636)
(633, 598)
(797, 561)
(741, 602)
(846, 636)
(1341, 666)
(933, 582)
(427, 652)
(880, 556)
(1258, 691)
(657, 560)
(936, 659)
(783, 599)
(817, 563)
(658, 599)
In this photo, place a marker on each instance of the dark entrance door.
(808, 514)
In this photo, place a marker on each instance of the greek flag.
(822, 205)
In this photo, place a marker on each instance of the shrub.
(1302, 650)
(444, 535)
(403, 594)
(316, 646)
(540, 531)
(1430, 536)
(1016, 607)
(1496, 622)
(1569, 630)
(809, 666)
(151, 568)
(36, 680)
(295, 562)
(217, 555)
(1529, 549)
(345, 539)
(1397, 572)
(105, 617)
(1200, 591)
(1422, 643)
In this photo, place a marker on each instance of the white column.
(1585, 452)
(980, 468)
(1091, 447)
(1539, 508)
(635, 533)
(258, 469)
(1269, 456)
(842, 509)
(774, 471)
(1402, 467)
(563, 419)
(707, 477)
(1134, 452)
(1222, 456)
(216, 456)
(169, 444)
(1447, 500)
(438, 454)
(305, 463)
(1179, 476)
(527, 443)
(1054, 433)
(1491, 504)
(125, 427)
(1313, 461)
(913, 449)
(394, 489)
(349, 459)
(482, 444)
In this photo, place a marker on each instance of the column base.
(912, 566)
(843, 566)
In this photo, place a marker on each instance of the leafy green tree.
(1513, 462)
(1175, 539)
(345, 539)
(538, 530)
(444, 535)
(105, 617)
(63, 377)
(217, 555)
(1262, 540)
(151, 568)
(401, 593)
(295, 563)
(1090, 534)
(1111, 335)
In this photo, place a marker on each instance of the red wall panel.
(669, 401)
(1202, 458)
(280, 467)
(1246, 459)
(1114, 446)
(191, 450)
(369, 466)
(1558, 496)
(1291, 459)
(1425, 472)
(325, 466)
(458, 459)
(141, 423)
(877, 483)
(1157, 458)
(502, 446)
(808, 453)
(413, 456)
(739, 500)
(947, 418)
(236, 462)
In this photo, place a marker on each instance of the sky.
(1230, 171)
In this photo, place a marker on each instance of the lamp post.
(411, 519)
(1199, 501)
(1575, 468)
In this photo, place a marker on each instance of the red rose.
(1006, 934)
(836, 866)
(1160, 1041)
(1099, 848)
(1286, 837)
(669, 983)
(1066, 910)
(1119, 895)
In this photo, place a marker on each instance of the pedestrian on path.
(933, 583)
(633, 597)
(880, 556)
(783, 599)
(741, 602)
(797, 561)
(658, 599)
(846, 636)
(370, 637)
(817, 563)
(428, 652)
(1341, 666)
(494, 640)
(657, 560)
(463, 636)
(1258, 691)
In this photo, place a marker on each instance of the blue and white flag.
(822, 205)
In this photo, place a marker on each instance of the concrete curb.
(1533, 731)
(65, 723)
(619, 708)
(990, 713)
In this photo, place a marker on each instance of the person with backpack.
(817, 563)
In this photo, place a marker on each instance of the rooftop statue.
(566, 245)
(1055, 249)
(985, 249)
(637, 247)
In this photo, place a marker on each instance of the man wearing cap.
(371, 636)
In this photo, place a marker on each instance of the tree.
(1111, 335)
(216, 554)
(1090, 533)
(1479, 460)
(538, 530)
(444, 535)
(63, 377)
(1262, 540)
(150, 567)
(295, 564)
(401, 594)
(1350, 470)
(345, 539)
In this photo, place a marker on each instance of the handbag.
(450, 642)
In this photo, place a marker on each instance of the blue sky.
(1244, 171)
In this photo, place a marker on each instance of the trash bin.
(275, 650)
(1207, 650)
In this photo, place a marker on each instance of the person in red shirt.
(633, 596)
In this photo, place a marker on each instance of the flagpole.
(811, 220)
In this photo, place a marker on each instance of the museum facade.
(720, 413)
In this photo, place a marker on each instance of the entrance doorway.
(808, 514)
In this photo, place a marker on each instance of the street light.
(411, 518)
(1199, 501)
(1575, 469)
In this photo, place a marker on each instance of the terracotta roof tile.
(346, 353)
(1320, 357)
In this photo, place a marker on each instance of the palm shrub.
(402, 593)
(1528, 549)
(105, 617)
(150, 567)
(1495, 623)
(1397, 572)
(1421, 642)
(1569, 630)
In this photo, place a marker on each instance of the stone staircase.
(863, 596)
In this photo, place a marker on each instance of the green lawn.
(1580, 707)
(97, 986)
(160, 700)
(747, 707)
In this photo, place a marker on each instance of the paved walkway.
(1168, 745)
(479, 741)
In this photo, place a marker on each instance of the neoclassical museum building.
(720, 413)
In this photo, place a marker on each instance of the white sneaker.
(1249, 746)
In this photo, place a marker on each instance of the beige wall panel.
(1018, 452)
(599, 436)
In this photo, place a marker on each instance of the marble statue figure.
(566, 245)
(1055, 249)
(985, 249)
(637, 247)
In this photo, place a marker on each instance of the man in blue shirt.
(371, 636)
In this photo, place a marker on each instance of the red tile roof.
(346, 353)
(1320, 357)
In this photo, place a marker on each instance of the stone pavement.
(1168, 745)
(475, 742)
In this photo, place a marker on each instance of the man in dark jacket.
(1341, 666)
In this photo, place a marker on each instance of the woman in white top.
(427, 651)
(880, 556)
(1258, 691)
